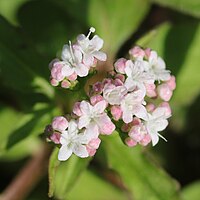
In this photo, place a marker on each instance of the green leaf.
(51, 24)
(8, 9)
(91, 186)
(53, 164)
(143, 179)
(20, 65)
(63, 175)
(32, 123)
(115, 21)
(192, 191)
(191, 7)
(8, 118)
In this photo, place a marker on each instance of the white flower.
(137, 75)
(74, 141)
(114, 94)
(95, 116)
(90, 48)
(132, 105)
(157, 67)
(72, 61)
(157, 121)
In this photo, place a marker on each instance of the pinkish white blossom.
(95, 116)
(132, 105)
(157, 67)
(164, 92)
(59, 123)
(91, 48)
(74, 141)
(114, 94)
(156, 122)
(72, 61)
(120, 65)
(137, 76)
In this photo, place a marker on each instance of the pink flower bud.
(125, 127)
(151, 90)
(164, 92)
(76, 109)
(146, 140)
(107, 128)
(72, 77)
(137, 52)
(116, 112)
(95, 99)
(94, 143)
(150, 107)
(136, 121)
(59, 123)
(135, 133)
(171, 83)
(120, 65)
(90, 151)
(147, 52)
(130, 142)
(55, 137)
(168, 110)
(56, 71)
(98, 87)
(92, 146)
(107, 81)
(118, 82)
(54, 82)
(120, 77)
(53, 62)
(65, 84)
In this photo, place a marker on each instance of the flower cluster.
(76, 60)
(132, 99)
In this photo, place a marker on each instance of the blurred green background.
(32, 33)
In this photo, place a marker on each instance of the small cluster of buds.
(133, 100)
(76, 60)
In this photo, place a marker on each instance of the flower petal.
(81, 70)
(100, 55)
(100, 107)
(80, 150)
(83, 121)
(96, 42)
(64, 153)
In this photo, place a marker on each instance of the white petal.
(130, 84)
(161, 125)
(67, 70)
(160, 63)
(66, 54)
(99, 107)
(127, 116)
(64, 153)
(100, 55)
(154, 138)
(85, 107)
(83, 121)
(96, 42)
(140, 111)
(80, 150)
(158, 112)
(88, 60)
(81, 70)
(72, 127)
(129, 68)
(78, 55)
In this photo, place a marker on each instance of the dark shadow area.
(178, 43)
(181, 154)
(50, 24)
